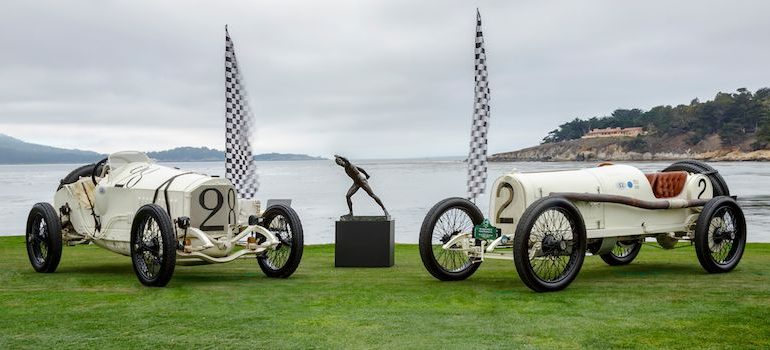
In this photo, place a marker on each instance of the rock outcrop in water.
(634, 149)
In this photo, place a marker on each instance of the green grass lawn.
(662, 300)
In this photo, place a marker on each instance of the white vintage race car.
(547, 221)
(160, 217)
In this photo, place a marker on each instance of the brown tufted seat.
(668, 184)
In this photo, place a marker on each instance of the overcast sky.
(368, 79)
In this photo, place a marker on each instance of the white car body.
(601, 219)
(103, 213)
(513, 193)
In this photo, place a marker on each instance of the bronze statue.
(359, 177)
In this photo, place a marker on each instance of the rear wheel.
(698, 167)
(549, 245)
(447, 219)
(623, 253)
(44, 243)
(720, 235)
(153, 246)
(284, 223)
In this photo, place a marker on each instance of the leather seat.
(668, 184)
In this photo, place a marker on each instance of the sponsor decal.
(628, 185)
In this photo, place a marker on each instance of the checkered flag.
(477, 157)
(240, 167)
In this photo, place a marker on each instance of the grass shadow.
(101, 268)
(643, 270)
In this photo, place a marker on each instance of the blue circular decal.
(630, 184)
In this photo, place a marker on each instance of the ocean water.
(407, 187)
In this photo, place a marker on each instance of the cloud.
(369, 79)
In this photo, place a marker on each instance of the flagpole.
(477, 155)
(240, 166)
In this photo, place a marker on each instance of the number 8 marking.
(231, 218)
(214, 209)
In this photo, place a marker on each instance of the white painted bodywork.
(603, 220)
(133, 180)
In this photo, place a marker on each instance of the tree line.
(732, 116)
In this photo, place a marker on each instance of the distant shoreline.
(171, 161)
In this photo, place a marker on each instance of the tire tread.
(168, 234)
(53, 224)
(426, 233)
(297, 247)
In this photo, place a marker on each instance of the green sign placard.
(485, 231)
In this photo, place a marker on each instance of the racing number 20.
(213, 210)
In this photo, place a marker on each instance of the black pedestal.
(364, 241)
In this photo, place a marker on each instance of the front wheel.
(549, 245)
(623, 253)
(446, 220)
(44, 243)
(153, 246)
(720, 235)
(283, 260)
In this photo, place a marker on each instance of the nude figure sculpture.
(359, 176)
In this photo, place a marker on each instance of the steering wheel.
(96, 166)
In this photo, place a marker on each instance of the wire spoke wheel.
(451, 223)
(153, 246)
(549, 244)
(282, 259)
(38, 240)
(720, 235)
(623, 252)
(148, 249)
(278, 257)
(43, 238)
(449, 220)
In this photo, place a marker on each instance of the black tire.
(283, 222)
(623, 253)
(698, 167)
(153, 246)
(447, 265)
(75, 175)
(720, 235)
(43, 238)
(550, 218)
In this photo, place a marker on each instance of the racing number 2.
(502, 220)
(701, 182)
(213, 210)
